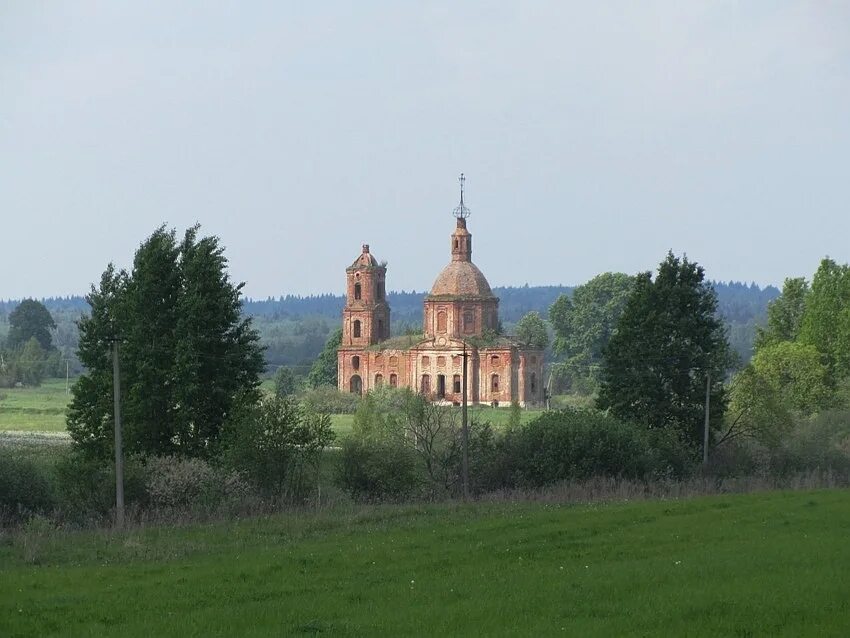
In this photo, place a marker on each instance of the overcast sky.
(595, 136)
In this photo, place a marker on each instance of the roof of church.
(461, 279)
(365, 259)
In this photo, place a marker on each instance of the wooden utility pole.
(119, 452)
(707, 412)
(465, 430)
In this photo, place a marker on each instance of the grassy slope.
(768, 564)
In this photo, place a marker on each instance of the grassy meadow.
(42, 409)
(745, 565)
(39, 409)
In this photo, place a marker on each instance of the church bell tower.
(366, 316)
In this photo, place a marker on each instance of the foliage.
(667, 342)
(784, 314)
(324, 370)
(329, 400)
(277, 445)
(186, 353)
(285, 383)
(826, 319)
(24, 489)
(30, 320)
(531, 330)
(584, 324)
(181, 486)
(515, 418)
(376, 471)
(579, 444)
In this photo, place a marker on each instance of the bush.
(373, 471)
(278, 445)
(25, 489)
(190, 485)
(328, 400)
(580, 444)
(87, 487)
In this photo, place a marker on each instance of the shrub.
(580, 444)
(278, 445)
(25, 489)
(190, 486)
(372, 470)
(328, 400)
(87, 486)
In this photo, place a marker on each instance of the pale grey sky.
(595, 136)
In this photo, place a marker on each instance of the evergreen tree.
(324, 370)
(284, 382)
(187, 356)
(666, 343)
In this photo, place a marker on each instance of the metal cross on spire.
(461, 212)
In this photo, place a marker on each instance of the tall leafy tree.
(531, 330)
(826, 319)
(188, 358)
(30, 319)
(584, 324)
(667, 342)
(324, 370)
(784, 314)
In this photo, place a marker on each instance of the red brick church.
(460, 310)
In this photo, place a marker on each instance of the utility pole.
(119, 452)
(707, 408)
(465, 430)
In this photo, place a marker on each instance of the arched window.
(379, 380)
(441, 321)
(355, 385)
(425, 385)
(533, 383)
(456, 384)
(358, 291)
(357, 327)
(393, 380)
(380, 328)
(381, 290)
(494, 383)
(468, 321)
(355, 362)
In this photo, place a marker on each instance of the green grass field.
(42, 409)
(747, 565)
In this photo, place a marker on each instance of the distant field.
(43, 409)
(40, 409)
(771, 564)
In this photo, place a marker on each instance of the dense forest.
(294, 328)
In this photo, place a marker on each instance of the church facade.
(460, 313)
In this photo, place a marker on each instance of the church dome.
(461, 279)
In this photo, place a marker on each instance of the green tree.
(584, 324)
(324, 370)
(30, 363)
(188, 358)
(826, 319)
(783, 380)
(278, 445)
(284, 382)
(668, 340)
(531, 330)
(784, 314)
(30, 319)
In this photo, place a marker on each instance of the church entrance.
(355, 385)
(441, 386)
